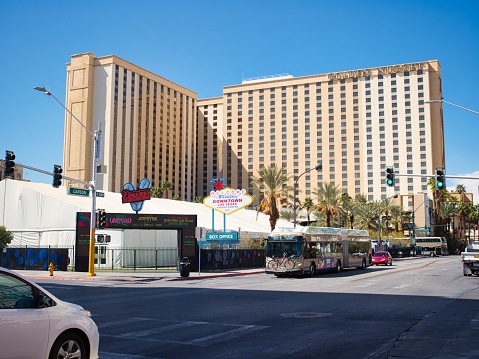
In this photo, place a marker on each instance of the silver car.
(36, 324)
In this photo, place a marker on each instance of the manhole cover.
(305, 315)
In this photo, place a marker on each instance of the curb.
(138, 276)
(234, 274)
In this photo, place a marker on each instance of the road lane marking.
(149, 335)
(144, 333)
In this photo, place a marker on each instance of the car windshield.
(380, 254)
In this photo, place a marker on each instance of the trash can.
(185, 267)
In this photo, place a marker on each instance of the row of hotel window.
(318, 134)
(330, 97)
(260, 129)
(330, 103)
(342, 88)
(320, 112)
(251, 102)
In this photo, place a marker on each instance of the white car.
(35, 324)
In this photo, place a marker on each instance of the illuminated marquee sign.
(228, 200)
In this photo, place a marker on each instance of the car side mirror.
(43, 301)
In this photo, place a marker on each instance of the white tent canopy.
(40, 215)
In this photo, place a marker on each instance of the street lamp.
(96, 146)
(318, 167)
(452, 104)
(413, 215)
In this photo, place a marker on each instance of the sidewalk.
(168, 274)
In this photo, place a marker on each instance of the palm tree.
(473, 219)
(329, 200)
(460, 188)
(156, 192)
(470, 218)
(366, 216)
(462, 210)
(272, 183)
(198, 199)
(308, 205)
(386, 206)
(320, 217)
(287, 215)
(165, 187)
(398, 217)
(360, 199)
(447, 213)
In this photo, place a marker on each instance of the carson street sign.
(78, 192)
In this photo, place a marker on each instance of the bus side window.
(318, 250)
(310, 251)
(327, 249)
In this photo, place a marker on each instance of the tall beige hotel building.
(354, 122)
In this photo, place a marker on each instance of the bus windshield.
(279, 249)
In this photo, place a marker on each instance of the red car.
(382, 257)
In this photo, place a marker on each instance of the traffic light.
(390, 176)
(9, 164)
(440, 178)
(101, 218)
(57, 176)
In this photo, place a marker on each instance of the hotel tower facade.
(355, 123)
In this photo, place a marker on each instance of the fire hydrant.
(50, 269)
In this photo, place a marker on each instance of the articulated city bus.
(431, 246)
(307, 250)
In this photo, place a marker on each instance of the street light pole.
(413, 229)
(318, 167)
(452, 104)
(96, 140)
(379, 218)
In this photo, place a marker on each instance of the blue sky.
(204, 45)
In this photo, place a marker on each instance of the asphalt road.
(372, 313)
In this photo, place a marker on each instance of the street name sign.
(78, 192)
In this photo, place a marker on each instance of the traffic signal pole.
(433, 175)
(92, 184)
(51, 173)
